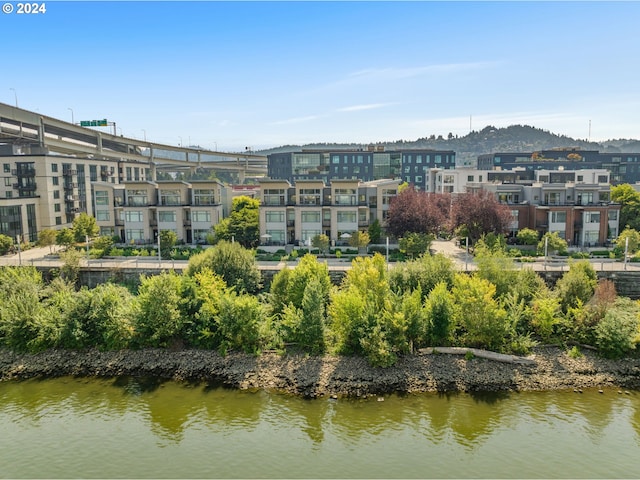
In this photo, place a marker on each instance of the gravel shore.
(311, 377)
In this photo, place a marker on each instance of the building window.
(54, 167)
(590, 237)
(7, 181)
(103, 216)
(102, 197)
(309, 196)
(200, 235)
(202, 216)
(310, 217)
(274, 217)
(9, 194)
(137, 197)
(167, 216)
(591, 217)
(54, 180)
(56, 207)
(613, 215)
(585, 198)
(346, 217)
(93, 173)
(276, 236)
(133, 216)
(273, 196)
(6, 168)
(56, 194)
(134, 234)
(169, 197)
(58, 220)
(558, 217)
(204, 197)
(345, 196)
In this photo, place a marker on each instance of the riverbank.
(549, 368)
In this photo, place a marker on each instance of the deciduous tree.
(242, 224)
(84, 225)
(413, 211)
(629, 200)
(476, 214)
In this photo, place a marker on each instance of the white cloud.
(369, 106)
(295, 120)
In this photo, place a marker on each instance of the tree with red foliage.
(479, 213)
(418, 212)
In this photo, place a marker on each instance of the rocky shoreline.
(548, 368)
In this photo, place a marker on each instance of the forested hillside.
(515, 138)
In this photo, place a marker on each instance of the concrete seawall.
(627, 282)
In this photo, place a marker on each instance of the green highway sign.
(94, 123)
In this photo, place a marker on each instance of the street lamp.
(72, 119)
(15, 96)
(180, 140)
(145, 134)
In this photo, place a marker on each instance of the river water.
(132, 428)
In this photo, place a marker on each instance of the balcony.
(68, 173)
(25, 188)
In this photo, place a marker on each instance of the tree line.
(377, 312)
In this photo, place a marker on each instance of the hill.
(515, 138)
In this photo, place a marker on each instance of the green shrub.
(575, 352)
(231, 261)
(616, 332)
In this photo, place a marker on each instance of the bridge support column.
(40, 131)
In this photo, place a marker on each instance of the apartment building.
(294, 214)
(373, 163)
(623, 167)
(576, 204)
(41, 190)
(137, 211)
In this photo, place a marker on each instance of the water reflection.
(172, 408)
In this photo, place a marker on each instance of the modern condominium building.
(623, 167)
(40, 190)
(373, 163)
(575, 203)
(294, 214)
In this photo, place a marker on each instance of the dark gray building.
(372, 163)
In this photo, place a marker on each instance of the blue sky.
(264, 74)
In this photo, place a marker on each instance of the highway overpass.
(29, 129)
